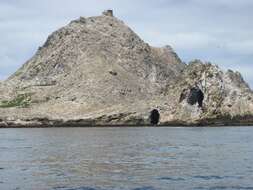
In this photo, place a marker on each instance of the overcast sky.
(220, 31)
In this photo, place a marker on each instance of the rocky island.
(97, 72)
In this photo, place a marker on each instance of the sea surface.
(214, 158)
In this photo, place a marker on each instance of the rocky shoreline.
(224, 121)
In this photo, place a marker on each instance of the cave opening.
(154, 117)
(196, 96)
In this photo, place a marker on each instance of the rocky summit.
(97, 71)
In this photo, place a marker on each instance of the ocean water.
(214, 158)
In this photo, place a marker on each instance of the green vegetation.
(21, 100)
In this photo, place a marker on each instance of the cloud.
(220, 31)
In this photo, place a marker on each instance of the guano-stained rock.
(97, 71)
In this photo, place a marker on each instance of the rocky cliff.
(97, 71)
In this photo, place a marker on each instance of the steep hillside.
(97, 71)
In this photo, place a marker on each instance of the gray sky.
(220, 31)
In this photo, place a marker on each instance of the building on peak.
(108, 13)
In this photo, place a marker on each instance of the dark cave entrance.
(154, 117)
(196, 96)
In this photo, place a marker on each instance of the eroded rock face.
(206, 92)
(97, 71)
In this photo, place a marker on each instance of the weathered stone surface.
(225, 94)
(97, 71)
